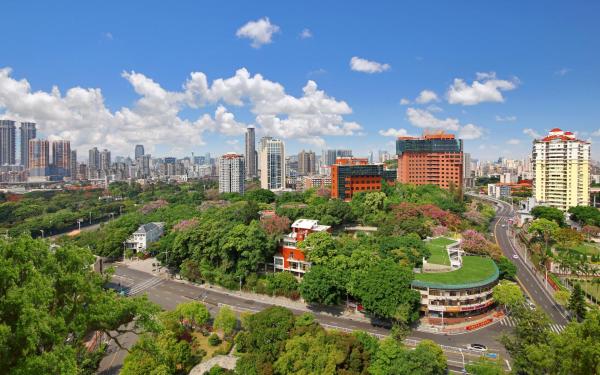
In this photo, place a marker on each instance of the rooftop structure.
(454, 287)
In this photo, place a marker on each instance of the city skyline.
(290, 84)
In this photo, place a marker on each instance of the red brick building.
(351, 175)
(290, 257)
(435, 159)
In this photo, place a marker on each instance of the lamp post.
(90, 217)
(41, 230)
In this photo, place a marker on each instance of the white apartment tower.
(272, 163)
(561, 169)
(232, 173)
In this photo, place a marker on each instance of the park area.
(437, 248)
(475, 270)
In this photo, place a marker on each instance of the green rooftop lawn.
(587, 248)
(437, 248)
(474, 269)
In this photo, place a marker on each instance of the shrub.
(214, 340)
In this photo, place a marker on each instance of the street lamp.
(41, 230)
(90, 217)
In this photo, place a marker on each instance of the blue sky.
(538, 66)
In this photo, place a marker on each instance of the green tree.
(247, 246)
(51, 300)
(260, 196)
(319, 247)
(310, 354)
(161, 354)
(508, 270)
(544, 228)
(577, 302)
(323, 285)
(384, 290)
(282, 284)
(192, 314)
(225, 320)
(549, 213)
(587, 215)
(508, 293)
(568, 238)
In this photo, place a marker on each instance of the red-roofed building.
(290, 257)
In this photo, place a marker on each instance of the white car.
(515, 256)
(477, 347)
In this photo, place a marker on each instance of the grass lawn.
(202, 343)
(588, 249)
(437, 247)
(474, 270)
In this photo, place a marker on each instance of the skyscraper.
(73, 168)
(94, 159)
(39, 158)
(139, 151)
(28, 131)
(272, 163)
(435, 159)
(61, 157)
(105, 161)
(561, 168)
(330, 156)
(467, 170)
(306, 163)
(250, 153)
(7, 142)
(232, 173)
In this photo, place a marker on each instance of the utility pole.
(41, 230)
(90, 217)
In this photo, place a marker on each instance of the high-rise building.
(7, 142)
(272, 163)
(94, 159)
(330, 156)
(39, 158)
(232, 173)
(435, 159)
(139, 151)
(105, 161)
(61, 158)
(561, 168)
(467, 169)
(307, 162)
(354, 175)
(28, 131)
(73, 164)
(251, 167)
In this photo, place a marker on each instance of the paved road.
(529, 282)
(169, 293)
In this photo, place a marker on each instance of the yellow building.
(561, 167)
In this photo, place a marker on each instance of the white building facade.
(561, 168)
(272, 163)
(232, 173)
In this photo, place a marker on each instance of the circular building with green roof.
(457, 293)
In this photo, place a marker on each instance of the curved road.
(528, 280)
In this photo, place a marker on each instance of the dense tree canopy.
(51, 300)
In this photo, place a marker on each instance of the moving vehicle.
(477, 347)
(515, 256)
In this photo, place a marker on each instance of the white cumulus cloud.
(155, 118)
(424, 119)
(514, 141)
(404, 101)
(259, 32)
(532, 133)
(426, 96)
(506, 118)
(305, 34)
(366, 66)
(391, 132)
(486, 88)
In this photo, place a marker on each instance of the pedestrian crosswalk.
(510, 321)
(145, 285)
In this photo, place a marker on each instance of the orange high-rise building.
(353, 175)
(435, 159)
